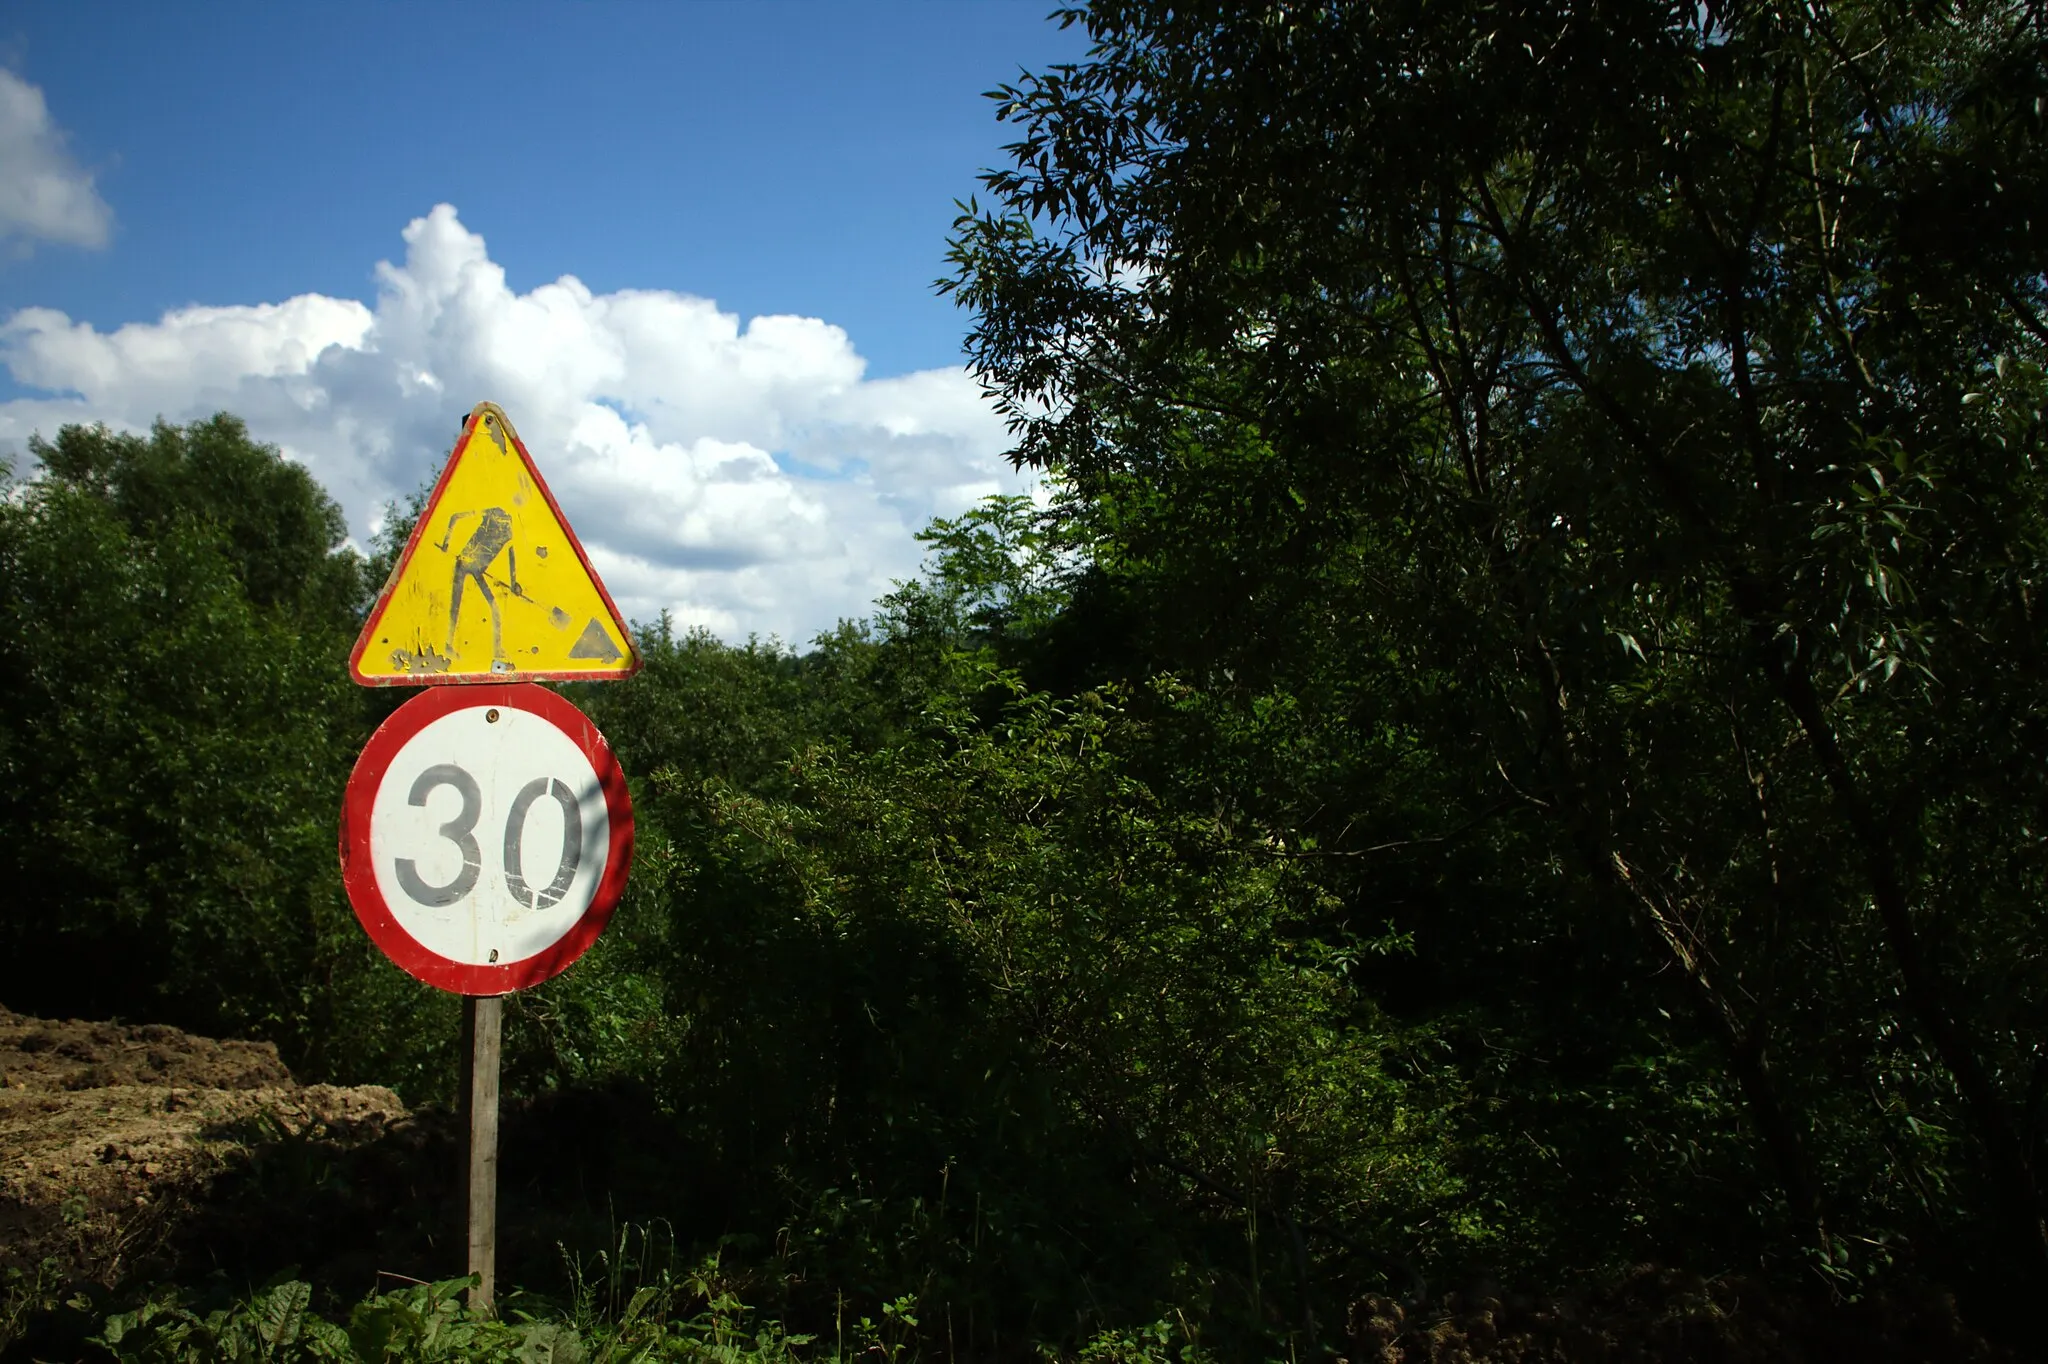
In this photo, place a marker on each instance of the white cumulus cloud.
(44, 194)
(743, 476)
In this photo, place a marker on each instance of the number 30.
(461, 831)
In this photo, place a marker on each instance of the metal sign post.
(487, 830)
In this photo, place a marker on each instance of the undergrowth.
(688, 1319)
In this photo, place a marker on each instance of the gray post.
(482, 1025)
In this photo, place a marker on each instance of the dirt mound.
(40, 1054)
(108, 1133)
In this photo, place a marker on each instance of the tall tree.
(1649, 396)
(175, 727)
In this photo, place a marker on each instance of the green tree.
(175, 729)
(1642, 408)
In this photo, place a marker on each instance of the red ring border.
(359, 876)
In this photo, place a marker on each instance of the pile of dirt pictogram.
(112, 1136)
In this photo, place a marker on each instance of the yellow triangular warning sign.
(493, 585)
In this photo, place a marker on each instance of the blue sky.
(771, 159)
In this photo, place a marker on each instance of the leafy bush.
(427, 1324)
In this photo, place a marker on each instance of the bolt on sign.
(486, 831)
(493, 586)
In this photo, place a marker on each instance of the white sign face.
(489, 835)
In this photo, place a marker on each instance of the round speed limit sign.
(485, 836)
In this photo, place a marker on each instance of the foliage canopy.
(1640, 406)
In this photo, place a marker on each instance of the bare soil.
(138, 1158)
(110, 1134)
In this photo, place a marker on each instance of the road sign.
(485, 836)
(493, 586)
